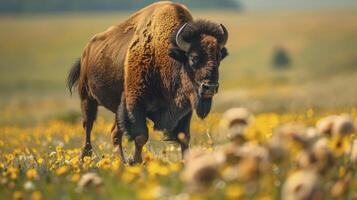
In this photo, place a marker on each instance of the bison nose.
(208, 89)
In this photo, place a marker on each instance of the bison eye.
(193, 59)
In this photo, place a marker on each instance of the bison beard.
(203, 107)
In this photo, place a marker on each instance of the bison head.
(200, 46)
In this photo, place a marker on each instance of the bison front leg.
(139, 132)
(133, 120)
(182, 133)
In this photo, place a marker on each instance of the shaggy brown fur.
(137, 71)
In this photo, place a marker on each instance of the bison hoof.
(133, 161)
(86, 153)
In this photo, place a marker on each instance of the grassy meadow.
(41, 133)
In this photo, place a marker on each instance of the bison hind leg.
(117, 136)
(89, 113)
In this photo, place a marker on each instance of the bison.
(160, 65)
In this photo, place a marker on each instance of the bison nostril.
(209, 88)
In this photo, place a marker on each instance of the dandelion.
(234, 191)
(12, 172)
(40, 161)
(156, 168)
(9, 157)
(325, 125)
(319, 157)
(104, 163)
(292, 132)
(200, 170)
(88, 180)
(151, 190)
(62, 170)
(251, 161)
(234, 122)
(175, 167)
(336, 125)
(17, 195)
(75, 177)
(29, 185)
(343, 125)
(301, 185)
(339, 145)
(130, 173)
(115, 165)
(32, 174)
(36, 195)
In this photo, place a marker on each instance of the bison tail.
(73, 75)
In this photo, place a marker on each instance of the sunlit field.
(284, 144)
(43, 161)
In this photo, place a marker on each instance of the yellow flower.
(156, 168)
(75, 178)
(36, 195)
(130, 173)
(115, 165)
(234, 191)
(128, 177)
(31, 174)
(339, 145)
(18, 195)
(104, 163)
(175, 167)
(87, 160)
(40, 161)
(265, 197)
(136, 169)
(9, 157)
(151, 190)
(12, 172)
(62, 170)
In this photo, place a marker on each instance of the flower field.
(267, 156)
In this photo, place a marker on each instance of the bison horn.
(225, 37)
(181, 43)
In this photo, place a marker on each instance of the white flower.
(319, 157)
(336, 125)
(201, 169)
(234, 122)
(301, 185)
(353, 151)
(28, 185)
(87, 180)
(343, 125)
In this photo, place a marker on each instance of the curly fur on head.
(192, 32)
(194, 29)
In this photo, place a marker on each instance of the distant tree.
(34, 6)
(281, 58)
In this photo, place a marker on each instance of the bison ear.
(178, 55)
(224, 53)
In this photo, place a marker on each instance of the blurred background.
(285, 55)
